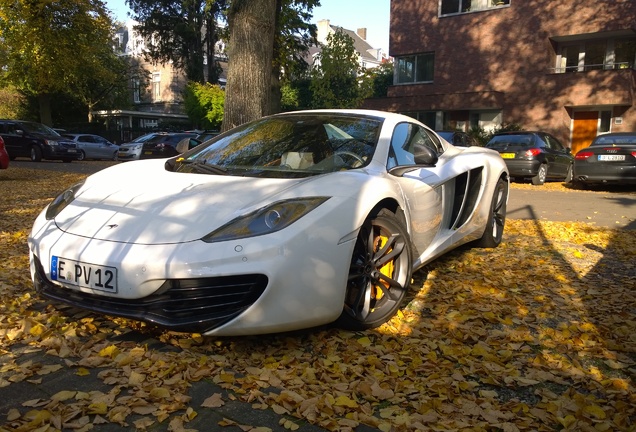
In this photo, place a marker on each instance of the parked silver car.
(132, 150)
(93, 146)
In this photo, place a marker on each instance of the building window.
(415, 68)
(451, 7)
(136, 90)
(596, 54)
(156, 86)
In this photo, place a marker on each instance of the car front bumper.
(273, 283)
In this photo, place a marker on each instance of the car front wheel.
(81, 155)
(539, 179)
(379, 275)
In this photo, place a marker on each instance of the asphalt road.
(607, 207)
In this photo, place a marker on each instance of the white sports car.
(288, 222)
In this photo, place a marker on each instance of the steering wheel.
(351, 154)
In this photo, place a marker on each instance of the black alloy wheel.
(379, 275)
(497, 217)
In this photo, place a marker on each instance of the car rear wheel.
(114, 156)
(539, 179)
(36, 153)
(497, 218)
(81, 156)
(379, 275)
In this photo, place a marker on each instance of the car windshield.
(604, 140)
(288, 146)
(39, 128)
(499, 141)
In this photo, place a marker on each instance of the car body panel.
(155, 233)
(4, 156)
(94, 146)
(132, 150)
(164, 145)
(611, 158)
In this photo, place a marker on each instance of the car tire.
(36, 153)
(569, 175)
(497, 217)
(81, 155)
(539, 179)
(379, 274)
(114, 158)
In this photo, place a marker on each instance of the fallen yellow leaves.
(538, 334)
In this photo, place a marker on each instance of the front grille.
(188, 305)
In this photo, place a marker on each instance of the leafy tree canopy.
(183, 32)
(204, 104)
(51, 47)
(335, 76)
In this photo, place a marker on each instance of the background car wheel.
(81, 156)
(497, 219)
(36, 153)
(379, 275)
(114, 156)
(539, 179)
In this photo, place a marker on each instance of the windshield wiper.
(205, 168)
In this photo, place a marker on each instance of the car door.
(15, 143)
(561, 158)
(104, 148)
(422, 187)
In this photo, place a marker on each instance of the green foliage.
(12, 103)
(50, 48)
(204, 104)
(482, 136)
(294, 35)
(335, 81)
(375, 82)
(296, 95)
(183, 32)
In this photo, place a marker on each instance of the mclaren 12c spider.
(288, 222)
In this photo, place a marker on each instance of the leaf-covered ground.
(536, 335)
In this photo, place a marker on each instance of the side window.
(405, 137)
(555, 144)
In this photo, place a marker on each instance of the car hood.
(141, 202)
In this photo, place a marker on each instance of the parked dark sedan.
(535, 155)
(165, 145)
(36, 141)
(4, 156)
(611, 158)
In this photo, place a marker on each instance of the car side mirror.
(424, 155)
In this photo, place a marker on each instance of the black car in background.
(534, 155)
(164, 145)
(36, 141)
(611, 158)
(457, 138)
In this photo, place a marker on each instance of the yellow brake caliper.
(387, 269)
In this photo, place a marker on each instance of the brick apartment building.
(564, 66)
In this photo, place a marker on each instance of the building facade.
(368, 57)
(563, 66)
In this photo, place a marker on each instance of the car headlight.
(266, 220)
(51, 142)
(62, 200)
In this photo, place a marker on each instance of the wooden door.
(584, 130)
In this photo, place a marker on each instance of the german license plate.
(611, 157)
(72, 151)
(508, 155)
(147, 152)
(84, 275)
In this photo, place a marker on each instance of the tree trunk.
(275, 97)
(248, 88)
(44, 100)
